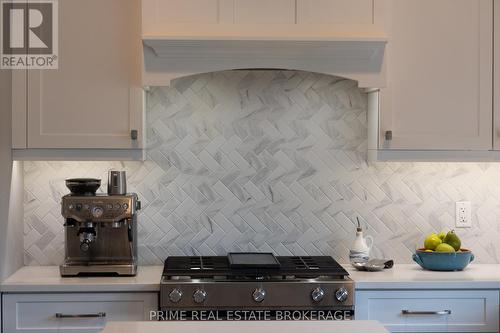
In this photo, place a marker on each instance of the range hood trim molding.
(358, 58)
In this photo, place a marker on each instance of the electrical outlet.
(463, 214)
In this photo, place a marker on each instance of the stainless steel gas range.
(246, 286)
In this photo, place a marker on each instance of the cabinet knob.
(388, 135)
(133, 134)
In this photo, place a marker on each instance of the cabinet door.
(19, 118)
(167, 15)
(161, 15)
(32, 313)
(94, 99)
(496, 78)
(439, 94)
(159, 12)
(335, 11)
(264, 11)
(430, 310)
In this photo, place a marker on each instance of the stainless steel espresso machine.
(100, 229)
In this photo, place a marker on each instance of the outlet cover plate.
(463, 216)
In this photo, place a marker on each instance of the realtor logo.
(29, 34)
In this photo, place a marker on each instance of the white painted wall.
(11, 188)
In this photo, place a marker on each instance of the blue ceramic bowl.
(443, 261)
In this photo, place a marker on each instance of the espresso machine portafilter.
(100, 232)
(88, 234)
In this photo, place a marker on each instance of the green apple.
(442, 235)
(432, 241)
(443, 247)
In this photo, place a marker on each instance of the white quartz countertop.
(47, 279)
(407, 276)
(474, 276)
(355, 326)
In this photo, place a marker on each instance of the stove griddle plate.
(253, 260)
(208, 267)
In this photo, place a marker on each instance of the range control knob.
(258, 295)
(199, 296)
(341, 294)
(175, 296)
(317, 294)
(97, 212)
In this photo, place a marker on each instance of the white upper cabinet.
(157, 12)
(159, 16)
(95, 98)
(439, 94)
(335, 11)
(263, 11)
(496, 78)
(167, 12)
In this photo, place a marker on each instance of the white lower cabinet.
(73, 312)
(430, 310)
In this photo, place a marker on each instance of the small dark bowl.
(443, 261)
(83, 186)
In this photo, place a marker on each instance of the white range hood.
(337, 37)
(360, 59)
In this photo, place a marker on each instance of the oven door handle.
(439, 313)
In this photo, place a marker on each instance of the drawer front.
(73, 313)
(431, 311)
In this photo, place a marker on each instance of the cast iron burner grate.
(217, 266)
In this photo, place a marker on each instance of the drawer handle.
(82, 315)
(439, 313)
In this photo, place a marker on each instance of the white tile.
(260, 160)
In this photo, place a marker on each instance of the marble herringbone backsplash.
(270, 161)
